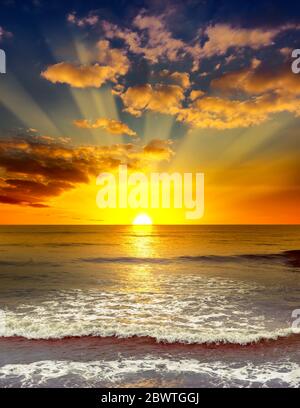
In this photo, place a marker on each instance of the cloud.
(259, 79)
(221, 37)
(114, 58)
(82, 76)
(204, 111)
(151, 37)
(286, 51)
(29, 192)
(224, 113)
(155, 43)
(113, 64)
(90, 20)
(159, 149)
(179, 78)
(157, 98)
(110, 125)
(34, 156)
(34, 169)
(195, 94)
(249, 97)
(246, 97)
(118, 89)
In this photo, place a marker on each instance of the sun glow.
(142, 219)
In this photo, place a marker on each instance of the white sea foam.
(43, 328)
(130, 371)
(160, 336)
(210, 311)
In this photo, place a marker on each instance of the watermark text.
(152, 191)
(2, 62)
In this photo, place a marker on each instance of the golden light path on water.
(143, 246)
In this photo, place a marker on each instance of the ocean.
(153, 306)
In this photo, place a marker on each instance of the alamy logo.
(296, 321)
(2, 62)
(2, 322)
(155, 190)
(296, 62)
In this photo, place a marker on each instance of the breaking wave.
(58, 332)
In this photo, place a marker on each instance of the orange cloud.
(179, 78)
(110, 125)
(270, 91)
(221, 37)
(158, 98)
(82, 76)
(114, 58)
(114, 63)
(195, 94)
(266, 92)
(159, 149)
(221, 113)
(258, 79)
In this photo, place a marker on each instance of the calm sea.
(95, 306)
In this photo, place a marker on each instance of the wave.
(29, 262)
(151, 370)
(56, 245)
(127, 259)
(181, 338)
(291, 257)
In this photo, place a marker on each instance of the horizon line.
(152, 225)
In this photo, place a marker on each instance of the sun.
(142, 219)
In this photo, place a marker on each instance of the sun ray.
(16, 99)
